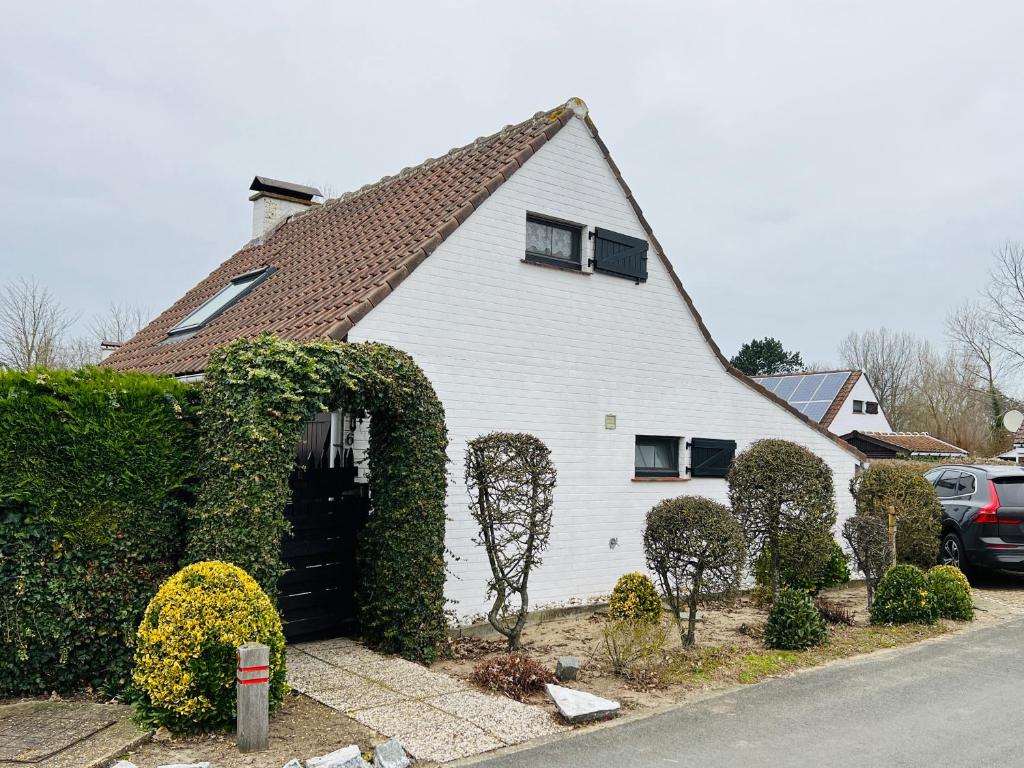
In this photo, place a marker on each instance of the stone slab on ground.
(435, 716)
(65, 734)
(567, 668)
(580, 706)
(336, 759)
(390, 754)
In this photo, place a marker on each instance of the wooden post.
(252, 682)
(892, 533)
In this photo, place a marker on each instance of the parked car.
(982, 516)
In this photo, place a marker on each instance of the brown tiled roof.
(337, 261)
(1018, 436)
(914, 442)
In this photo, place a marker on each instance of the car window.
(946, 485)
(932, 475)
(965, 484)
(1011, 491)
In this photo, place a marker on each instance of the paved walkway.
(435, 716)
(64, 734)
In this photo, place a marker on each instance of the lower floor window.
(657, 456)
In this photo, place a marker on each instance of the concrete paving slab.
(511, 721)
(427, 732)
(65, 734)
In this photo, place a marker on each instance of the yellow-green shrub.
(951, 592)
(635, 598)
(185, 648)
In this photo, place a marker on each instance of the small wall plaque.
(609, 421)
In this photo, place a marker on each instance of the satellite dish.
(1013, 420)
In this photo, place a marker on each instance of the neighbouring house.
(522, 276)
(1016, 452)
(845, 403)
(896, 445)
(841, 401)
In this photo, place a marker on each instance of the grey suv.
(982, 515)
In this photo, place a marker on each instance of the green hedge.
(257, 397)
(94, 467)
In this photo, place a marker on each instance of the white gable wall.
(846, 420)
(518, 347)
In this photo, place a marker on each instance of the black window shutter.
(620, 255)
(711, 458)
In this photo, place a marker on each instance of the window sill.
(661, 479)
(563, 266)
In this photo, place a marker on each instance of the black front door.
(327, 510)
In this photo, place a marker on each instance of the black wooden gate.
(327, 511)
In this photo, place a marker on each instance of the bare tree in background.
(120, 323)
(948, 399)
(888, 358)
(1005, 296)
(975, 333)
(32, 326)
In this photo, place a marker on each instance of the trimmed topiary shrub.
(902, 597)
(869, 542)
(185, 663)
(809, 561)
(778, 488)
(95, 468)
(918, 511)
(696, 548)
(635, 598)
(257, 396)
(510, 480)
(951, 592)
(794, 623)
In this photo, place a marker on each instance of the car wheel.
(951, 552)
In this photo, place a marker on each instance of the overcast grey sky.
(811, 168)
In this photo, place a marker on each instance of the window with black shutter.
(656, 456)
(871, 407)
(619, 255)
(711, 458)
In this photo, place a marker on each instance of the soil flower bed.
(729, 650)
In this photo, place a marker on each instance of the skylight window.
(227, 296)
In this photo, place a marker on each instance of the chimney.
(274, 201)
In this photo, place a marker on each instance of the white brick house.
(585, 359)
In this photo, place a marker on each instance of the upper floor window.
(858, 406)
(223, 299)
(551, 242)
(871, 407)
(657, 456)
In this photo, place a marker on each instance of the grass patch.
(757, 666)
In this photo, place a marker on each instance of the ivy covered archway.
(257, 396)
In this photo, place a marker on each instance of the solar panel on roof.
(807, 387)
(786, 386)
(811, 394)
(817, 409)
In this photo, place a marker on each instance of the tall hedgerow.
(95, 467)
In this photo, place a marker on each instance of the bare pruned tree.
(1004, 295)
(888, 358)
(32, 326)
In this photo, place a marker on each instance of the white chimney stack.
(274, 201)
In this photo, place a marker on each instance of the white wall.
(514, 346)
(846, 420)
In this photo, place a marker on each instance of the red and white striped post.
(252, 682)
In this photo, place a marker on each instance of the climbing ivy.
(256, 399)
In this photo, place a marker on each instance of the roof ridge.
(552, 116)
(805, 373)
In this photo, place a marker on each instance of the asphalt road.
(953, 702)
